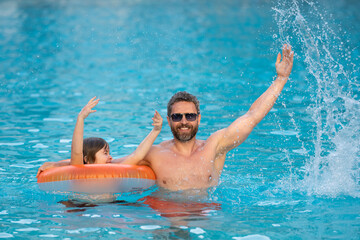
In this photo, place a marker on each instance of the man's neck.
(185, 148)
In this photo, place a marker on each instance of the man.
(188, 163)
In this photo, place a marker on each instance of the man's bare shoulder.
(165, 145)
(215, 137)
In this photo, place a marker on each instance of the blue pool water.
(297, 175)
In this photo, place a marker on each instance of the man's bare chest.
(175, 170)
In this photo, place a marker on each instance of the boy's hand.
(88, 108)
(45, 166)
(157, 121)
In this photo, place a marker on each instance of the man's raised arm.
(239, 130)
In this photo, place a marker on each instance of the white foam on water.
(83, 230)
(49, 236)
(277, 203)
(284, 132)
(150, 227)
(252, 237)
(110, 140)
(92, 215)
(130, 145)
(30, 229)
(23, 166)
(38, 160)
(6, 235)
(58, 120)
(40, 145)
(332, 168)
(34, 130)
(197, 230)
(12, 144)
(26, 221)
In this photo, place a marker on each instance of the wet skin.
(103, 156)
(191, 164)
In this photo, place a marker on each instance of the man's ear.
(85, 160)
(168, 120)
(199, 118)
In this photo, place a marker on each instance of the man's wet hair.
(183, 97)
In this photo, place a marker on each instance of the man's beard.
(184, 137)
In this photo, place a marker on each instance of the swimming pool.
(296, 176)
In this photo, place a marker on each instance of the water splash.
(332, 168)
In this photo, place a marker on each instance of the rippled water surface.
(296, 176)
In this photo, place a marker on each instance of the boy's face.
(103, 156)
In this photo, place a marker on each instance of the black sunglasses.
(176, 117)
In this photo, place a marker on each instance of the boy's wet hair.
(91, 146)
(183, 97)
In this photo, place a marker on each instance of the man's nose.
(183, 119)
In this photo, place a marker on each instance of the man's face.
(184, 130)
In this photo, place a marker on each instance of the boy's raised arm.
(77, 140)
(78, 135)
